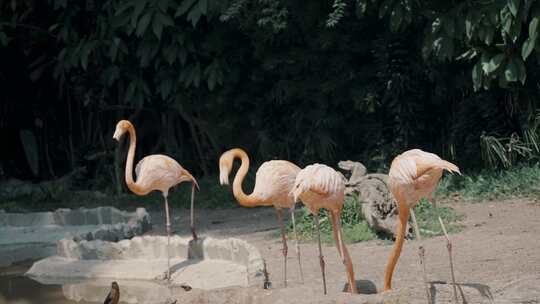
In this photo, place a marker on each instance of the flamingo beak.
(223, 176)
(117, 134)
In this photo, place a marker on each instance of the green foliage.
(339, 10)
(491, 33)
(519, 181)
(356, 229)
(427, 217)
(304, 81)
(507, 152)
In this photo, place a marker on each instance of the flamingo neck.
(129, 163)
(242, 198)
(398, 245)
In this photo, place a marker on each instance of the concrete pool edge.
(144, 258)
(28, 236)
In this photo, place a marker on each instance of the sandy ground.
(497, 258)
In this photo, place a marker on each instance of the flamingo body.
(320, 186)
(414, 175)
(274, 182)
(159, 172)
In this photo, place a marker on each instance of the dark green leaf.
(163, 5)
(4, 40)
(170, 53)
(183, 56)
(511, 72)
(157, 27)
(469, 25)
(143, 24)
(36, 74)
(203, 5)
(139, 7)
(60, 3)
(506, 19)
(468, 55)
(515, 29)
(85, 52)
(522, 71)
(533, 27)
(396, 18)
(361, 6)
(493, 64)
(184, 7)
(477, 76)
(527, 48)
(385, 7)
(130, 91)
(488, 35)
(113, 52)
(165, 19)
(513, 5)
(195, 14)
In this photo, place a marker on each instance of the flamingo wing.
(320, 179)
(158, 172)
(274, 181)
(420, 170)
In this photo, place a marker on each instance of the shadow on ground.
(363, 287)
(483, 290)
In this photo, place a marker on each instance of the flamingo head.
(298, 188)
(121, 127)
(225, 166)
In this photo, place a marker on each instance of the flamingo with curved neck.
(414, 175)
(273, 184)
(155, 172)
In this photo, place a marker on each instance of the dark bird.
(114, 295)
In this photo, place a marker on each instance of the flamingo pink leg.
(168, 225)
(321, 257)
(297, 246)
(192, 208)
(343, 252)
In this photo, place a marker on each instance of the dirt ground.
(497, 259)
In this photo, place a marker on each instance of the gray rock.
(378, 204)
(34, 235)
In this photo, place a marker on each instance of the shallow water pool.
(15, 288)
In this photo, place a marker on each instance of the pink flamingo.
(155, 172)
(414, 175)
(273, 185)
(319, 186)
